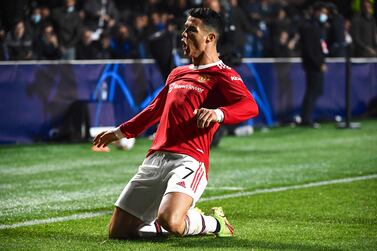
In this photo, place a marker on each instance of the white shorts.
(162, 173)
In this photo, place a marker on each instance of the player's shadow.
(236, 243)
(194, 242)
(211, 242)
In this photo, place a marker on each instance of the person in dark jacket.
(19, 43)
(364, 32)
(314, 48)
(47, 45)
(336, 33)
(86, 48)
(3, 49)
(100, 14)
(103, 46)
(122, 45)
(67, 23)
(283, 39)
(35, 23)
(238, 26)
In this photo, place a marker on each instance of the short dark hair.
(210, 19)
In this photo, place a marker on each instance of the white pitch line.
(225, 188)
(221, 197)
(57, 219)
(295, 187)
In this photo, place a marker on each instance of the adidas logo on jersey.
(223, 66)
(234, 78)
(182, 184)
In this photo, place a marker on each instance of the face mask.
(70, 9)
(323, 18)
(36, 18)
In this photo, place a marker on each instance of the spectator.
(35, 23)
(122, 45)
(282, 45)
(103, 45)
(47, 46)
(45, 16)
(86, 48)
(178, 7)
(239, 27)
(336, 33)
(364, 32)
(347, 33)
(159, 21)
(161, 44)
(312, 35)
(3, 50)
(142, 33)
(68, 26)
(252, 25)
(19, 43)
(259, 13)
(99, 15)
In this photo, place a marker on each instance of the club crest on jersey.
(203, 78)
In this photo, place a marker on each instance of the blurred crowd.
(116, 29)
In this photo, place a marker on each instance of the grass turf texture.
(42, 181)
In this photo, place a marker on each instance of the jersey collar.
(204, 66)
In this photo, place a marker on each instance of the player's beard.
(191, 49)
(186, 49)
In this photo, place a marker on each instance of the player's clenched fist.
(104, 138)
(204, 117)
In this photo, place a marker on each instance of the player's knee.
(118, 230)
(115, 232)
(173, 223)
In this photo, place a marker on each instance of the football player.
(196, 99)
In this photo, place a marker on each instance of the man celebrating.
(190, 108)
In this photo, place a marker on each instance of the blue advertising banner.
(35, 98)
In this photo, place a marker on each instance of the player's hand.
(104, 138)
(204, 117)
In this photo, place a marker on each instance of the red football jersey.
(188, 88)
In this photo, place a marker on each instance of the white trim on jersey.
(200, 67)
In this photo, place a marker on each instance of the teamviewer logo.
(171, 87)
(174, 85)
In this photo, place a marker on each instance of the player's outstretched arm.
(105, 138)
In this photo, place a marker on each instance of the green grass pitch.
(264, 176)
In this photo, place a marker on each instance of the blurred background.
(71, 65)
(115, 29)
